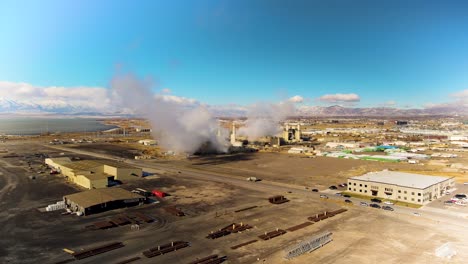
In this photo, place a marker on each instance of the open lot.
(210, 194)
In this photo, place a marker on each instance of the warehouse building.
(100, 200)
(399, 186)
(94, 174)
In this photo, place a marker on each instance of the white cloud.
(14, 90)
(81, 98)
(462, 95)
(178, 100)
(296, 99)
(339, 98)
(166, 91)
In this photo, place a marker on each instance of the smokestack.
(233, 135)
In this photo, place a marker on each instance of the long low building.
(100, 200)
(94, 174)
(399, 186)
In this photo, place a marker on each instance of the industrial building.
(399, 186)
(100, 200)
(292, 132)
(94, 174)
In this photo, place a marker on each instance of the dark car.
(333, 187)
(348, 201)
(388, 208)
(375, 206)
(347, 195)
(375, 200)
(315, 190)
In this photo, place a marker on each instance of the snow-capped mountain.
(61, 107)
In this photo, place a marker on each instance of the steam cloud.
(263, 119)
(176, 127)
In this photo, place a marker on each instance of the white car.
(416, 214)
(388, 202)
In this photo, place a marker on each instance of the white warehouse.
(399, 186)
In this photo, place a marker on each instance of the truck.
(253, 179)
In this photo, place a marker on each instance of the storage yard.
(248, 228)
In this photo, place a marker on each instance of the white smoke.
(263, 119)
(178, 128)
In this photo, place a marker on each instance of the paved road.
(440, 216)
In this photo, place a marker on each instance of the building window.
(354, 189)
(354, 184)
(419, 200)
(360, 190)
(365, 191)
(349, 188)
(412, 193)
(399, 191)
(419, 194)
(360, 185)
(365, 185)
(404, 192)
(412, 199)
(404, 197)
(399, 197)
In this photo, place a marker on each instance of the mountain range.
(8, 106)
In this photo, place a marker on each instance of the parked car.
(315, 190)
(333, 187)
(323, 196)
(375, 206)
(448, 202)
(347, 195)
(348, 201)
(338, 194)
(388, 208)
(416, 214)
(363, 204)
(375, 200)
(388, 202)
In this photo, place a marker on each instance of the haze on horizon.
(229, 54)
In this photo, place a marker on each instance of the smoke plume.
(177, 128)
(263, 119)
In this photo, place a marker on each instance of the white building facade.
(399, 186)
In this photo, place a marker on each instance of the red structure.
(159, 194)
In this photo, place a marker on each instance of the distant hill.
(27, 107)
(337, 110)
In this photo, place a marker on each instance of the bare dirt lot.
(319, 172)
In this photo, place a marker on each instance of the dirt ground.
(318, 172)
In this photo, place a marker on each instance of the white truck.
(253, 179)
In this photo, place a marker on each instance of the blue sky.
(398, 53)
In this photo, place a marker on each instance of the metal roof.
(82, 165)
(86, 165)
(403, 179)
(99, 196)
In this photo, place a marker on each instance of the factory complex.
(93, 174)
(399, 186)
